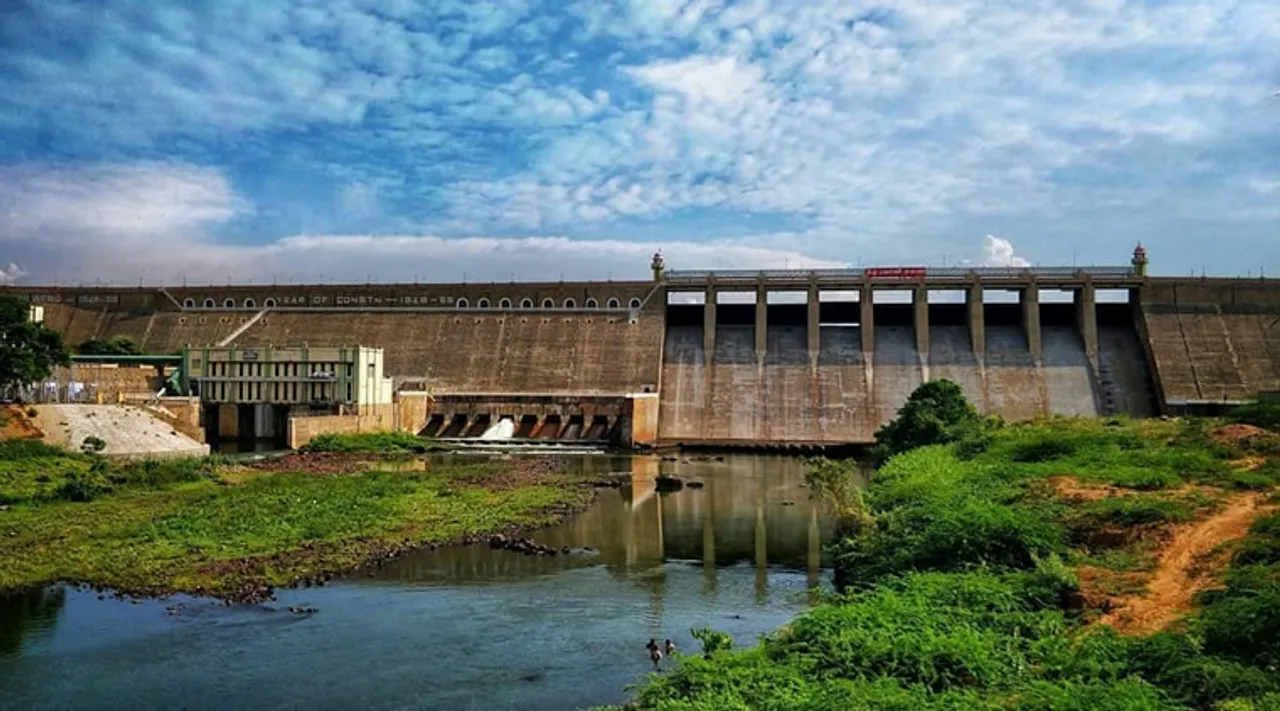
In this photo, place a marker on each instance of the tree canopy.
(28, 351)
(937, 412)
(120, 345)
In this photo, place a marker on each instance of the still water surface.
(458, 628)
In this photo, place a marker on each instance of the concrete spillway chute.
(504, 429)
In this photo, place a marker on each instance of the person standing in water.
(655, 654)
(669, 648)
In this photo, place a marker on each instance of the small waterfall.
(504, 429)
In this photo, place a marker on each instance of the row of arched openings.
(504, 303)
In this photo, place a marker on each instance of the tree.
(120, 345)
(936, 413)
(28, 351)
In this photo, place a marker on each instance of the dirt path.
(1170, 590)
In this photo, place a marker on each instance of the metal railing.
(53, 392)
(851, 273)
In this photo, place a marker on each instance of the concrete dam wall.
(845, 381)
(792, 357)
(1213, 342)
(493, 352)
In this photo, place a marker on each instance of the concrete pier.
(977, 320)
(709, 325)
(762, 322)
(1085, 299)
(1030, 300)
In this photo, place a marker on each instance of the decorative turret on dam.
(1139, 260)
(658, 266)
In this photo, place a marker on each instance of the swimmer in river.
(669, 648)
(655, 655)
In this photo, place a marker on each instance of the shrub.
(1177, 663)
(161, 472)
(120, 345)
(1243, 621)
(1266, 702)
(1259, 414)
(93, 445)
(1262, 546)
(12, 450)
(935, 413)
(712, 641)
(973, 444)
(83, 486)
(370, 443)
(1128, 512)
(1043, 449)
(834, 481)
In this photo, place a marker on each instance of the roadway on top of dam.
(904, 277)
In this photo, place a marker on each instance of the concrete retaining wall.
(1213, 342)
(112, 382)
(304, 429)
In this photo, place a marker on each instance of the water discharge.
(455, 628)
(504, 429)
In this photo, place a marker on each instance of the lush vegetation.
(1265, 414)
(28, 351)
(120, 345)
(206, 525)
(961, 584)
(936, 413)
(372, 443)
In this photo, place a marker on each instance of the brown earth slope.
(1178, 575)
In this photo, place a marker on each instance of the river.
(454, 628)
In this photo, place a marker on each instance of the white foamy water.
(505, 429)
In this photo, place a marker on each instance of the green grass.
(176, 525)
(34, 472)
(974, 640)
(1149, 455)
(372, 443)
(31, 470)
(957, 595)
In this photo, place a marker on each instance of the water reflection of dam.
(751, 511)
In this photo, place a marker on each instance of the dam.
(725, 358)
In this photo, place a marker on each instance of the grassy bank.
(384, 443)
(207, 526)
(1035, 567)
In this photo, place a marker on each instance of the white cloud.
(1263, 186)
(110, 202)
(11, 274)
(998, 252)
(156, 223)
(849, 129)
(722, 80)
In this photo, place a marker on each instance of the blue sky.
(220, 139)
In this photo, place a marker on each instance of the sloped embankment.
(127, 431)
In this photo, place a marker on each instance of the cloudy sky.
(486, 139)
